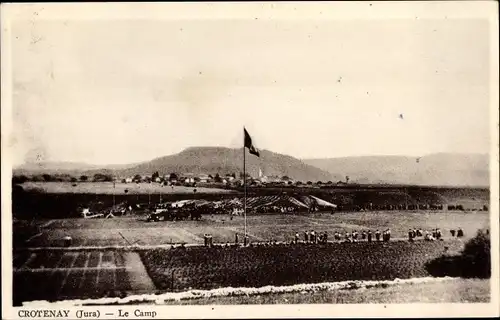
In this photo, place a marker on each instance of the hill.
(69, 168)
(211, 160)
(443, 169)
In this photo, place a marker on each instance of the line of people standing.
(312, 237)
(365, 235)
(354, 236)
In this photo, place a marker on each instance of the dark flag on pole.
(249, 144)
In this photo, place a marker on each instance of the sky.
(123, 91)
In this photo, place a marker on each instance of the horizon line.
(236, 148)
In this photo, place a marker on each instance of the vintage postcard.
(242, 160)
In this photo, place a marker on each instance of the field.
(452, 291)
(199, 268)
(57, 275)
(89, 270)
(128, 230)
(110, 188)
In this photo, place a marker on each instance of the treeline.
(99, 177)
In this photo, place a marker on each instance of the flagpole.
(245, 186)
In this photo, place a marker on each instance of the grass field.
(118, 188)
(452, 291)
(126, 230)
(52, 274)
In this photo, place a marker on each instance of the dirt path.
(137, 274)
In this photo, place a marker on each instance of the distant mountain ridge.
(197, 160)
(443, 169)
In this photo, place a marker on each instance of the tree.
(319, 183)
(155, 175)
(309, 183)
(37, 178)
(217, 178)
(137, 178)
(84, 178)
(19, 179)
(473, 262)
(99, 177)
(285, 178)
(73, 179)
(173, 176)
(47, 177)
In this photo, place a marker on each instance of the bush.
(473, 262)
(19, 179)
(476, 256)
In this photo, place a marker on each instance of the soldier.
(438, 234)
(410, 235)
(325, 237)
(354, 236)
(296, 237)
(377, 235)
(312, 236)
(452, 231)
(236, 240)
(245, 240)
(460, 233)
(369, 236)
(205, 238)
(306, 236)
(427, 236)
(347, 237)
(420, 232)
(387, 235)
(337, 236)
(363, 235)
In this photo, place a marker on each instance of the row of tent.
(302, 202)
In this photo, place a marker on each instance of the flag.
(249, 145)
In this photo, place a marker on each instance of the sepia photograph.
(256, 154)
